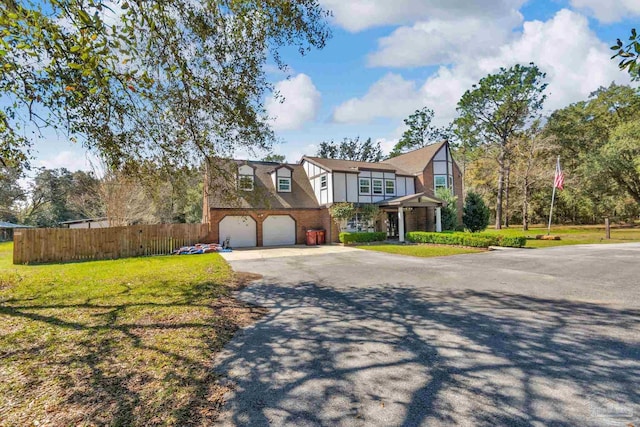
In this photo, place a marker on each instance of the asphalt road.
(517, 337)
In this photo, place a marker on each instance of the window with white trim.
(323, 181)
(245, 182)
(377, 186)
(389, 186)
(284, 185)
(451, 182)
(439, 181)
(365, 185)
(357, 224)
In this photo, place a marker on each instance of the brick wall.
(305, 219)
(427, 179)
(410, 220)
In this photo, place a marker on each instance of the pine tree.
(476, 214)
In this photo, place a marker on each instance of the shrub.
(476, 214)
(342, 211)
(368, 212)
(513, 241)
(449, 217)
(476, 240)
(460, 239)
(362, 237)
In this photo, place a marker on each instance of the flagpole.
(553, 195)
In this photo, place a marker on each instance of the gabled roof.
(339, 165)
(280, 166)
(4, 224)
(415, 161)
(413, 199)
(264, 194)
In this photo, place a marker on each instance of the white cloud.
(387, 144)
(391, 96)
(71, 160)
(443, 41)
(301, 103)
(357, 15)
(294, 152)
(575, 66)
(609, 11)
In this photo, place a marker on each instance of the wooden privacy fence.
(39, 245)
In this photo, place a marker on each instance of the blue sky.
(388, 58)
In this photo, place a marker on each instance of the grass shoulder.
(573, 235)
(420, 250)
(117, 342)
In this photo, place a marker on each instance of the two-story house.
(278, 203)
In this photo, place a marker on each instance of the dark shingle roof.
(415, 161)
(264, 194)
(339, 165)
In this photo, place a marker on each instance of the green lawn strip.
(118, 342)
(421, 250)
(572, 235)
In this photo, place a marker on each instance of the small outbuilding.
(87, 223)
(6, 230)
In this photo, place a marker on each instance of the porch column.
(401, 224)
(438, 219)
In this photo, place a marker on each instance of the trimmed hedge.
(476, 240)
(362, 237)
(514, 241)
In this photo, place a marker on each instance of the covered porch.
(415, 212)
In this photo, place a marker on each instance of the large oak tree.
(171, 81)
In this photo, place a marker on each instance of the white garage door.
(278, 230)
(241, 231)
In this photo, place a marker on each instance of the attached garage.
(278, 230)
(241, 231)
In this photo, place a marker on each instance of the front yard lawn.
(127, 342)
(420, 250)
(573, 235)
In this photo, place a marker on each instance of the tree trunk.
(500, 190)
(506, 194)
(525, 204)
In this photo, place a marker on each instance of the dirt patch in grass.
(120, 343)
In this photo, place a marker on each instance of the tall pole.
(553, 195)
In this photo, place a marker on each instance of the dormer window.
(245, 182)
(284, 185)
(246, 177)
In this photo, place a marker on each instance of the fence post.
(607, 229)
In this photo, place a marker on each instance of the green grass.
(120, 342)
(573, 235)
(424, 251)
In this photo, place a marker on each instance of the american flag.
(558, 181)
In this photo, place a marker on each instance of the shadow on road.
(393, 355)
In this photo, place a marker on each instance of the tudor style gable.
(433, 166)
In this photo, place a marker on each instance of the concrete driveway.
(515, 338)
